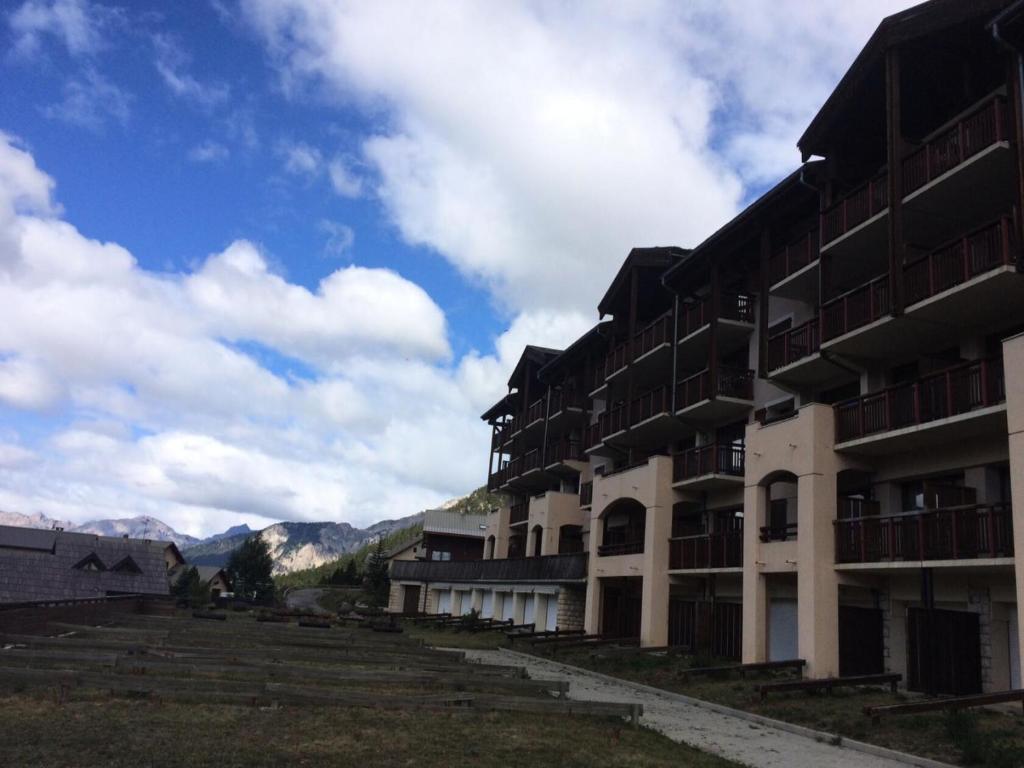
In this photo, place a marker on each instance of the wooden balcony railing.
(858, 206)
(566, 449)
(856, 308)
(518, 513)
(592, 435)
(531, 460)
(514, 468)
(694, 316)
(794, 344)
(794, 257)
(714, 550)
(960, 389)
(785, 532)
(587, 493)
(658, 400)
(613, 420)
(653, 335)
(536, 411)
(714, 459)
(563, 398)
(957, 533)
(981, 128)
(617, 359)
(957, 262)
(731, 382)
(501, 435)
(732, 306)
(626, 547)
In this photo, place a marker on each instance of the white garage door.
(508, 605)
(487, 607)
(1014, 649)
(444, 602)
(552, 620)
(529, 609)
(782, 630)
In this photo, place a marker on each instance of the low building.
(38, 565)
(212, 577)
(451, 535)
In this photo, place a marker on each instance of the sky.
(269, 260)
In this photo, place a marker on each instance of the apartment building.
(802, 437)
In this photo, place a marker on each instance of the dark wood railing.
(957, 533)
(502, 433)
(794, 257)
(626, 547)
(653, 335)
(518, 513)
(984, 126)
(957, 262)
(565, 398)
(532, 460)
(793, 344)
(867, 200)
(714, 459)
(731, 382)
(617, 359)
(736, 306)
(856, 308)
(714, 550)
(592, 435)
(658, 400)
(536, 411)
(785, 532)
(694, 316)
(587, 493)
(613, 420)
(960, 389)
(550, 568)
(565, 449)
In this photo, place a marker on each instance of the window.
(126, 565)
(90, 563)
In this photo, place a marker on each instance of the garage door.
(529, 609)
(508, 605)
(444, 602)
(466, 603)
(552, 621)
(782, 630)
(487, 607)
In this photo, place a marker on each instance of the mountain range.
(293, 546)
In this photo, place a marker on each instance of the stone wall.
(571, 606)
(980, 602)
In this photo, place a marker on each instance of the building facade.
(802, 438)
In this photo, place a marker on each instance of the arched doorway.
(781, 502)
(537, 538)
(490, 548)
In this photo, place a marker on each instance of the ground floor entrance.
(861, 641)
(704, 626)
(411, 599)
(621, 607)
(943, 651)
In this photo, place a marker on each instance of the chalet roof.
(912, 23)
(207, 573)
(507, 405)
(532, 354)
(40, 565)
(659, 257)
(399, 548)
(584, 344)
(454, 523)
(747, 222)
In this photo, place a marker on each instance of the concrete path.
(304, 600)
(749, 743)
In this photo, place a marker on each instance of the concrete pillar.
(817, 585)
(1013, 365)
(755, 591)
(654, 599)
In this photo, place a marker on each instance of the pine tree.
(377, 580)
(351, 573)
(251, 568)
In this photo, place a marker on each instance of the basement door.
(487, 606)
(782, 630)
(552, 621)
(411, 601)
(444, 601)
(943, 651)
(861, 646)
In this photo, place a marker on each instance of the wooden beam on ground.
(934, 705)
(827, 684)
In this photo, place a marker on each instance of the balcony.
(770, 533)
(518, 513)
(706, 551)
(549, 568)
(709, 466)
(962, 401)
(731, 396)
(624, 547)
(501, 435)
(535, 414)
(565, 456)
(650, 419)
(854, 310)
(616, 361)
(735, 324)
(958, 533)
(793, 271)
(567, 409)
(652, 350)
(861, 210)
(587, 493)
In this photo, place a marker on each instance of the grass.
(117, 733)
(992, 738)
(451, 638)
(333, 598)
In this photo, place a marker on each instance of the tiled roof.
(454, 523)
(40, 565)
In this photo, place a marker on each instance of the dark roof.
(918, 21)
(532, 354)
(595, 336)
(454, 523)
(659, 257)
(506, 405)
(747, 222)
(40, 565)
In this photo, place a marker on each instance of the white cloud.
(208, 152)
(90, 100)
(75, 23)
(340, 238)
(345, 182)
(171, 63)
(300, 159)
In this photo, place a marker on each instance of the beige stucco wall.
(497, 526)
(1013, 365)
(551, 511)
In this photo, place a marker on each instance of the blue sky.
(268, 259)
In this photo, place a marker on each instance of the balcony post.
(762, 302)
(863, 541)
(895, 146)
(716, 310)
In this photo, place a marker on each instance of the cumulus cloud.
(76, 24)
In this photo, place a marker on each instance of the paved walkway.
(749, 743)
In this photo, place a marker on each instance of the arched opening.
(570, 539)
(490, 548)
(781, 490)
(537, 535)
(623, 528)
(517, 546)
